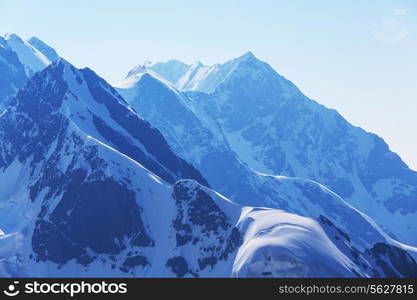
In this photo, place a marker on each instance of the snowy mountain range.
(257, 120)
(94, 185)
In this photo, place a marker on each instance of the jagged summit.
(90, 188)
(149, 63)
(32, 58)
(194, 77)
(247, 55)
(139, 69)
(171, 70)
(12, 36)
(209, 78)
(44, 48)
(2, 42)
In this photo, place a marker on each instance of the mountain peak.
(2, 42)
(170, 70)
(13, 37)
(247, 55)
(34, 39)
(32, 58)
(82, 98)
(206, 78)
(197, 64)
(44, 48)
(139, 69)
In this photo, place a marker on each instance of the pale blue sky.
(356, 56)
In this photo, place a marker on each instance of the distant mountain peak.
(32, 58)
(197, 64)
(247, 55)
(201, 77)
(12, 36)
(139, 69)
(197, 76)
(148, 63)
(170, 70)
(202, 128)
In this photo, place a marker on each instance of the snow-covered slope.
(171, 70)
(272, 127)
(12, 74)
(300, 247)
(90, 189)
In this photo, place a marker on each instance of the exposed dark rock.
(178, 266)
(199, 219)
(393, 261)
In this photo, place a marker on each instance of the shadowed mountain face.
(256, 119)
(69, 194)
